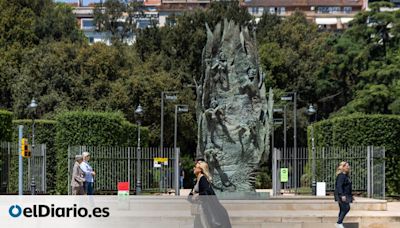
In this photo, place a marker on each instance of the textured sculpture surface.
(233, 113)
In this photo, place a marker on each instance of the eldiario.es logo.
(42, 210)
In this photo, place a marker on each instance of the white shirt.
(87, 169)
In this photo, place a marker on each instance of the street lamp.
(178, 109)
(311, 111)
(32, 106)
(139, 113)
(292, 96)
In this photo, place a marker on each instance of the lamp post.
(311, 111)
(32, 106)
(178, 109)
(139, 113)
(292, 96)
(169, 96)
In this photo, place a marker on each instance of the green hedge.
(5, 136)
(91, 129)
(365, 130)
(5, 126)
(45, 132)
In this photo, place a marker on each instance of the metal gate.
(119, 164)
(367, 169)
(32, 167)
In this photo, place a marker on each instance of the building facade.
(329, 14)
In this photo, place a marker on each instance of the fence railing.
(34, 166)
(367, 169)
(118, 164)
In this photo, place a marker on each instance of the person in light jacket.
(78, 177)
(343, 191)
(89, 173)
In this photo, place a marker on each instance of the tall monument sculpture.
(233, 112)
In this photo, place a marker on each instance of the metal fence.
(36, 166)
(118, 164)
(367, 169)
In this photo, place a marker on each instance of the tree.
(290, 54)
(364, 62)
(30, 22)
(118, 18)
(182, 43)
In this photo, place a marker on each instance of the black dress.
(212, 213)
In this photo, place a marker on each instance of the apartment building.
(167, 8)
(327, 14)
(330, 14)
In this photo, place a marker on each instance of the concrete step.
(174, 212)
(278, 204)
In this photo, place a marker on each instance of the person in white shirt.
(89, 173)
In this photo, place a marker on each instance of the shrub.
(5, 126)
(91, 129)
(365, 130)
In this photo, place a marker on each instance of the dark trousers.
(88, 188)
(344, 209)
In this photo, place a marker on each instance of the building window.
(254, 10)
(272, 10)
(260, 10)
(87, 24)
(347, 9)
(329, 10)
(335, 10)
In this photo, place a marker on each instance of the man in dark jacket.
(343, 191)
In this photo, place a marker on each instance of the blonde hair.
(204, 169)
(339, 169)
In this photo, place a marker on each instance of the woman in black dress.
(208, 211)
(343, 191)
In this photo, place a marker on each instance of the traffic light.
(25, 152)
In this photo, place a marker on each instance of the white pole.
(177, 174)
(20, 163)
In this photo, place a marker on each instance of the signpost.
(158, 162)
(123, 188)
(284, 175)
(123, 195)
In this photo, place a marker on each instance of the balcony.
(330, 14)
(83, 12)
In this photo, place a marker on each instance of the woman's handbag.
(195, 209)
(195, 203)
